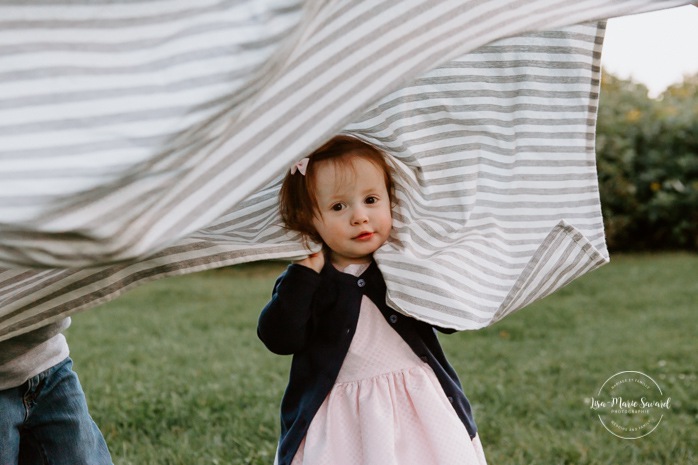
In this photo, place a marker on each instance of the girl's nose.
(359, 216)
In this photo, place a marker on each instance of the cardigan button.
(450, 399)
(393, 318)
(361, 283)
(424, 358)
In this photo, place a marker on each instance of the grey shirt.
(29, 354)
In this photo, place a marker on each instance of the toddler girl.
(367, 385)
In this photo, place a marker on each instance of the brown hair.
(297, 198)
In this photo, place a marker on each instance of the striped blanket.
(144, 139)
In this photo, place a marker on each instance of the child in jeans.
(43, 412)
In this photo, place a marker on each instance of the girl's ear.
(309, 241)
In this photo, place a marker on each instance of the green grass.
(174, 372)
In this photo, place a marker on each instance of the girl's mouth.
(364, 236)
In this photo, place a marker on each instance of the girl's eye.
(337, 207)
(371, 199)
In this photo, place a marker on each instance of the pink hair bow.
(300, 166)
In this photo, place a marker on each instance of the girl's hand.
(313, 261)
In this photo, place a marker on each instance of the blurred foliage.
(647, 155)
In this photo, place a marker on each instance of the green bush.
(647, 155)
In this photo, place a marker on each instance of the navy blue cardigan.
(313, 316)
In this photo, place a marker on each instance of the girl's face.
(354, 210)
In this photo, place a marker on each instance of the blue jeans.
(45, 421)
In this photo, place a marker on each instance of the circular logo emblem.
(630, 405)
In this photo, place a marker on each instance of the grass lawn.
(174, 372)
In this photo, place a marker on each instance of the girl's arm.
(284, 325)
(315, 261)
(444, 330)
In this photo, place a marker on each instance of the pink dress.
(386, 407)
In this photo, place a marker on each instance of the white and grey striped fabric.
(142, 139)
